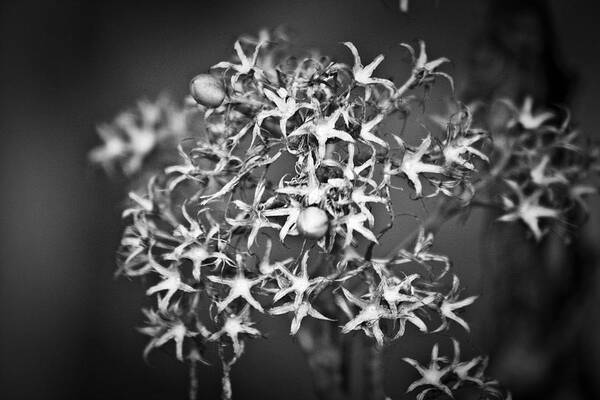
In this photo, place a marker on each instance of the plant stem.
(226, 383)
(193, 380)
(325, 355)
(225, 377)
(373, 388)
(409, 82)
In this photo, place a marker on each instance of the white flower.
(252, 215)
(450, 304)
(526, 117)
(355, 223)
(239, 287)
(412, 165)
(166, 326)
(528, 209)
(234, 326)
(368, 317)
(323, 129)
(292, 211)
(539, 174)
(431, 375)
(360, 198)
(286, 107)
(455, 150)
(363, 74)
(299, 283)
(422, 255)
(171, 283)
(423, 70)
(463, 369)
(246, 66)
(300, 310)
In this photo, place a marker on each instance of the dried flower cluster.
(547, 168)
(445, 377)
(203, 230)
(150, 129)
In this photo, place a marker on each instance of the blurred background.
(67, 327)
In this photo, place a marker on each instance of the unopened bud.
(313, 222)
(207, 90)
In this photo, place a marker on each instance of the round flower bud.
(313, 222)
(207, 90)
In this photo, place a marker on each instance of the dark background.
(66, 326)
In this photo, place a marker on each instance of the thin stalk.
(226, 392)
(374, 388)
(406, 85)
(193, 380)
(324, 352)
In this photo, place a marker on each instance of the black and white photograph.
(300, 200)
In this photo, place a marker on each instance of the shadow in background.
(66, 326)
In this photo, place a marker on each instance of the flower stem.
(326, 354)
(226, 393)
(374, 388)
(193, 380)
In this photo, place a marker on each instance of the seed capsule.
(207, 90)
(313, 222)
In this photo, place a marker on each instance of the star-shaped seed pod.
(465, 370)
(323, 129)
(171, 283)
(166, 326)
(451, 303)
(431, 376)
(286, 106)
(528, 209)
(368, 318)
(239, 287)
(413, 166)
(292, 211)
(421, 255)
(354, 222)
(525, 116)
(300, 311)
(360, 198)
(252, 215)
(246, 65)
(540, 174)
(458, 150)
(235, 325)
(424, 71)
(351, 172)
(363, 75)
